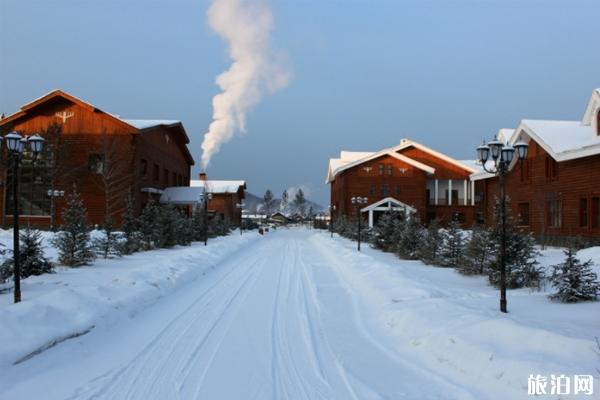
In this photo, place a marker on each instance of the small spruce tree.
(149, 226)
(430, 248)
(198, 223)
(522, 268)
(73, 240)
(108, 245)
(131, 234)
(410, 238)
(574, 281)
(453, 245)
(31, 257)
(479, 252)
(167, 226)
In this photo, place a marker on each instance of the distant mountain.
(255, 204)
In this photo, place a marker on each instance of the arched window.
(598, 122)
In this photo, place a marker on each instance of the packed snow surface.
(290, 315)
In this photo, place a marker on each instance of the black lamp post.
(206, 198)
(501, 157)
(16, 145)
(357, 202)
(331, 210)
(240, 206)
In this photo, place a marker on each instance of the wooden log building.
(555, 191)
(104, 155)
(409, 177)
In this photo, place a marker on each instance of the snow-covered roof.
(149, 123)
(182, 195)
(350, 159)
(216, 186)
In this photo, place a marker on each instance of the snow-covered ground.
(291, 315)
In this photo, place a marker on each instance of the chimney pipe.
(203, 176)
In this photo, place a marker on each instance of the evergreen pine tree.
(283, 205)
(184, 229)
(268, 202)
(167, 226)
(73, 240)
(198, 223)
(430, 248)
(131, 234)
(574, 281)
(453, 245)
(479, 252)
(108, 245)
(149, 225)
(383, 232)
(410, 238)
(300, 202)
(31, 257)
(522, 268)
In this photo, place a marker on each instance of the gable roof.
(138, 124)
(349, 159)
(592, 107)
(219, 186)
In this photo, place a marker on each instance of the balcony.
(450, 192)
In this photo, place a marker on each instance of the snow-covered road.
(273, 322)
(297, 315)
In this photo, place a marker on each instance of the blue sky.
(366, 73)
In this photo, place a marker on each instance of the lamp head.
(507, 154)
(483, 153)
(495, 148)
(521, 147)
(37, 143)
(12, 141)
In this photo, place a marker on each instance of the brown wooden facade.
(411, 181)
(224, 202)
(550, 198)
(103, 155)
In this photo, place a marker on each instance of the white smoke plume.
(245, 25)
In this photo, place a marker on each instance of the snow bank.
(450, 324)
(72, 301)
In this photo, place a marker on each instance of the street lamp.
(240, 206)
(16, 145)
(331, 210)
(206, 198)
(501, 156)
(357, 202)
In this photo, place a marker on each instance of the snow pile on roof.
(215, 186)
(562, 137)
(149, 123)
(182, 195)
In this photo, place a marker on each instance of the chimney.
(203, 176)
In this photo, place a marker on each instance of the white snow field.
(291, 315)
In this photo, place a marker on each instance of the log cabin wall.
(539, 185)
(88, 134)
(387, 176)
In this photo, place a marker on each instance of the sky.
(364, 73)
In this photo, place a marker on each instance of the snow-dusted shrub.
(430, 247)
(479, 252)
(108, 244)
(149, 226)
(31, 257)
(73, 240)
(410, 238)
(453, 245)
(574, 281)
(131, 240)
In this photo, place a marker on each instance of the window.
(583, 213)
(174, 179)
(598, 123)
(524, 214)
(595, 212)
(454, 196)
(553, 217)
(381, 169)
(156, 172)
(96, 163)
(390, 169)
(459, 217)
(166, 176)
(385, 190)
(372, 190)
(551, 169)
(398, 191)
(143, 167)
